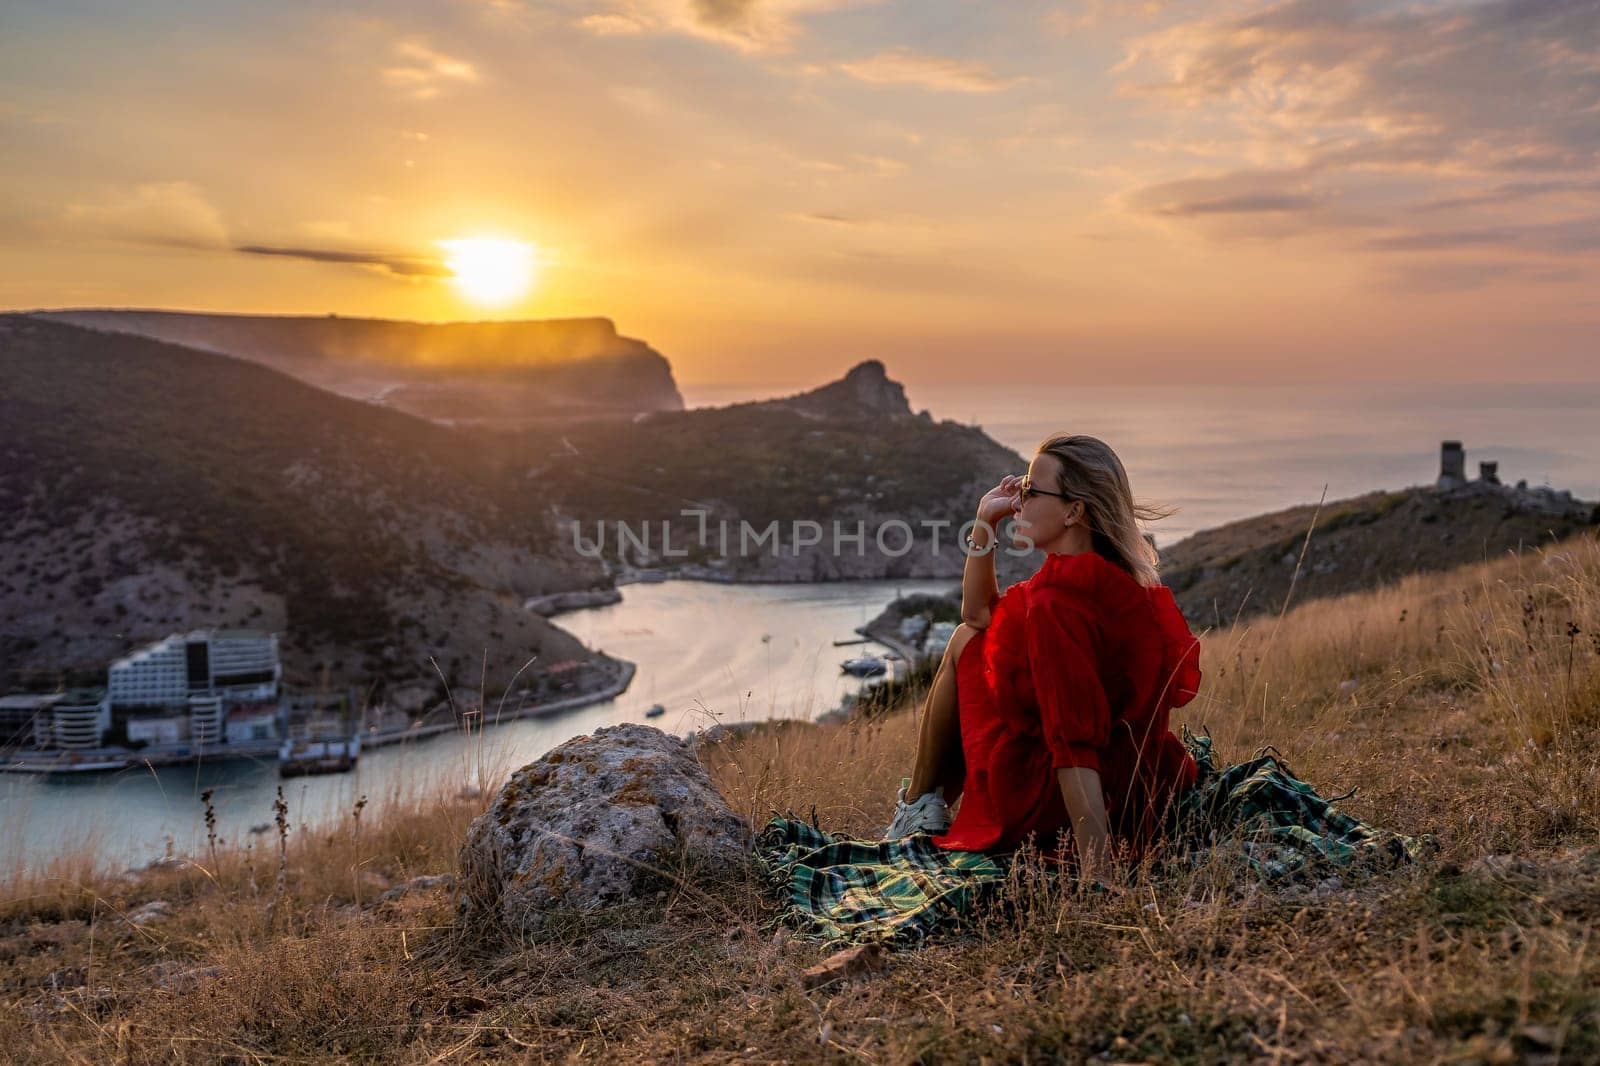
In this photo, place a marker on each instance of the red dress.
(1079, 666)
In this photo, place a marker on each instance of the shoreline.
(107, 761)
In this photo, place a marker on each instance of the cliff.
(489, 373)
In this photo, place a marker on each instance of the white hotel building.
(202, 673)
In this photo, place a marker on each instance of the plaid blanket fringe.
(835, 887)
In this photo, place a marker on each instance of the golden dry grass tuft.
(1466, 704)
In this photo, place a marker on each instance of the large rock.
(600, 820)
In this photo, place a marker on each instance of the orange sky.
(1107, 191)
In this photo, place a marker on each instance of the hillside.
(1244, 568)
(850, 451)
(149, 488)
(156, 488)
(484, 373)
(1447, 704)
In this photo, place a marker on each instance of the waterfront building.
(66, 721)
(205, 718)
(160, 729)
(253, 722)
(23, 715)
(235, 665)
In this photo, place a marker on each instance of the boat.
(318, 755)
(864, 666)
(51, 765)
(656, 711)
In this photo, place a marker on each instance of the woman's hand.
(999, 501)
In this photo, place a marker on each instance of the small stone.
(425, 883)
(1502, 866)
(154, 911)
(858, 961)
(1348, 685)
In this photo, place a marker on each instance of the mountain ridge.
(478, 372)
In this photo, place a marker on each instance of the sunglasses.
(1026, 491)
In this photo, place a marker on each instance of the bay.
(709, 653)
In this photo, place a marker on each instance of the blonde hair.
(1091, 472)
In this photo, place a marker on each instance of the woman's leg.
(939, 760)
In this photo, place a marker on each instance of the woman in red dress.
(1050, 707)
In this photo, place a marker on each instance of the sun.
(490, 270)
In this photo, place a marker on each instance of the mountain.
(864, 392)
(153, 488)
(845, 453)
(484, 373)
(1244, 568)
(150, 488)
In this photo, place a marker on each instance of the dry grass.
(1473, 713)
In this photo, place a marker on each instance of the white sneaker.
(928, 813)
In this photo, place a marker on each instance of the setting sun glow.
(490, 270)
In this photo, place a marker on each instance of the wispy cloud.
(1448, 277)
(422, 72)
(902, 66)
(1085, 15)
(175, 213)
(746, 25)
(406, 266)
(1429, 129)
(1498, 86)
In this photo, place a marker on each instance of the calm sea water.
(1220, 453)
(707, 652)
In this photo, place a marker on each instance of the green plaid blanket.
(902, 890)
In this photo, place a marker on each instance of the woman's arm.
(979, 589)
(1086, 806)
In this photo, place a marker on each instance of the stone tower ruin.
(1452, 465)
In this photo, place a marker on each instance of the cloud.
(1497, 86)
(1238, 193)
(745, 25)
(1436, 130)
(1464, 276)
(173, 213)
(423, 72)
(1513, 193)
(902, 66)
(406, 266)
(1088, 14)
(1244, 204)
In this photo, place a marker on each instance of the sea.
(713, 653)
